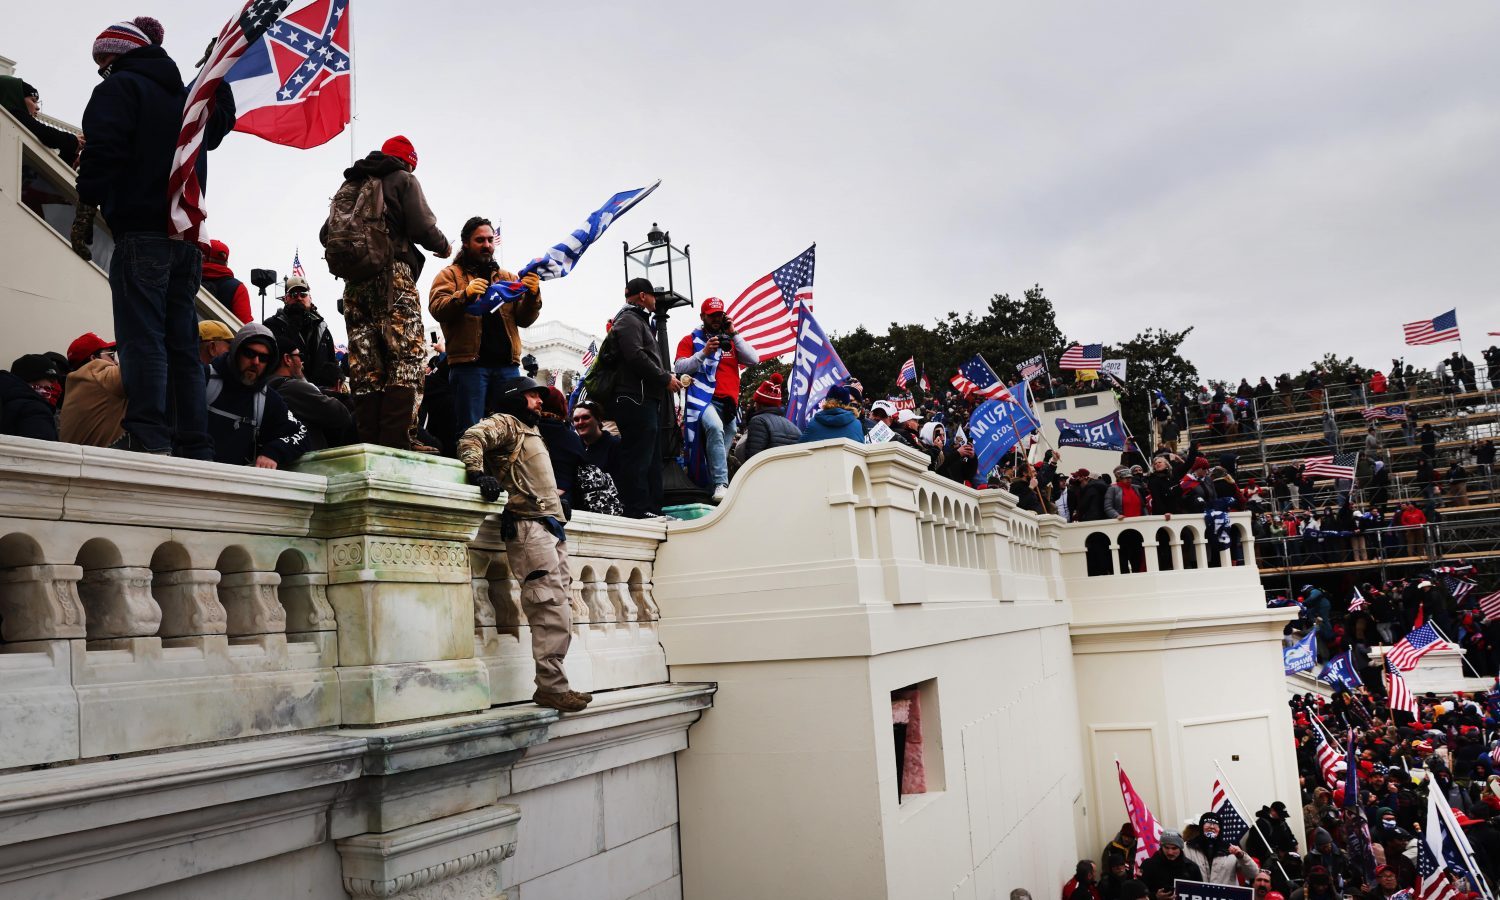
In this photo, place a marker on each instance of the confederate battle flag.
(292, 86)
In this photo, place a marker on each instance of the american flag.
(185, 212)
(1337, 466)
(1082, 356)
(1329, 755)
(1458, 587)
(1400, 696)
(1232, 825)
(1435, 883)
(1358, 602)
(975, 377)
(1438, 854)
(1415, 646)
(297, 270)
(908, 373)
(1394, 413)
(1433, 331)
(588, 355)
(766, 312)
(1489, 604)
(1147, 830)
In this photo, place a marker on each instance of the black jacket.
(1160, 873)
(320, 363)
(132, 122)
(567, 453)
(604, 453)
(643, 376)
(23, 412)
(409, 220)
(1091, 501)
(231, 416)
(329, 422)
(768, 429)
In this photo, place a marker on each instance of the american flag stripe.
(1328, 754)
(1082, 356)
(765, 313)
(1489, 604)
(185, 212)
(908, 373)
(1458, 587)
(1414, 646)
(1338, 466)
(1232, 825)
(1393, 413)
(588, 355)
(1399, 696)
(1358, 602)
(1432, 331)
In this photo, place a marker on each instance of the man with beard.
(1221, 861)
(506, 452)
(249, 424)
(484, 349)
(301, 318)
(1116, 875)
(1167, 866)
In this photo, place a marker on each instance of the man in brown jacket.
(482, 350)
(387, 349)
(94, 411)
(506, 452)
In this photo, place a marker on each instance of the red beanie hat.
(769, 391)
(402, 149)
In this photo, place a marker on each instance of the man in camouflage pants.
(506, 452)
(387, 352)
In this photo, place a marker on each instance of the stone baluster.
(305, 599)
(189, 600)
(118, 603)
(484, 610)
(626, 607)
(250, 599)
(41, 603)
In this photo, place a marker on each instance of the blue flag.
(816, 367)
(995, 427)
(1107, 433)
(560, 260)
(1340, 671)
(1302, 655)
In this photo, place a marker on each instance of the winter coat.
(604, 453)
(515, 454)
(230, 291)
(1160, 873)
(409, 219)
(463, 332)
(643, 374)
(23, 412)
(13, 93)
(1026, 498)
(1161, 487)
(231, 416)
(132, 122)
(1218, 865)
(833, 422)
(320, 362)
(767, 429)
(565, 449)
(328, 421)
(1114, 500)
(1091, 501)
(95, 410)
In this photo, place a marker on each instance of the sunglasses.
(255, 355)
(299, 292)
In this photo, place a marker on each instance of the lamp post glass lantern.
(670, 270)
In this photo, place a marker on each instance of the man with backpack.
(376, 222)
(249, 424)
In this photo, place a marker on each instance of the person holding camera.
(485, 350)
(716, 351)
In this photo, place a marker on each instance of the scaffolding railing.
(1381, 554)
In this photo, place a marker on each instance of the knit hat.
(402, 149)
(839, 394)
(35, 367)
(209, 330)
(1199, 463)
(768, 393)
(85, 346)
(123, 37)
(218, 252)
(1174, 838)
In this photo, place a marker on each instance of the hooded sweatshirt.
(238, 438)
(833, 422)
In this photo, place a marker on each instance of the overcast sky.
(1289, 178)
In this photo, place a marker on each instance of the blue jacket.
(132, 121)
(833, 422)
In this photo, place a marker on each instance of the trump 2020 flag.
(1339, 671)
(1147, 830)
(816, 367)
(996, 426)
(1302, 655)
(292, 86)
(1107, 433)
(563, 256)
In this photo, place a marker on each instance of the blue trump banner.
(1339, 671)
(816, 367)
(995, 427)
(1302, 655)
(1202, 890)
(1107, 433)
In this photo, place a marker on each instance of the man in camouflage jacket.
(505, 452)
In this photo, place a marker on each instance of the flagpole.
(1460, 840)
(353, 93)
(1463, 659)
(1254, 820)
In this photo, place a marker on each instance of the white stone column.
(452, 858)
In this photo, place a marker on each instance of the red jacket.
(727, 378)
(239, 304)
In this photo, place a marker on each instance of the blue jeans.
(153, 281)
(471, 383)
(717, 436)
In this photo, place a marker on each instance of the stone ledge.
(404, 861)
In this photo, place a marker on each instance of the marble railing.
(149, 602)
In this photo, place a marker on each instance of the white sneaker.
(719, 492)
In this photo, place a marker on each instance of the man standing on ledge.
(506, 452)
(642, 389)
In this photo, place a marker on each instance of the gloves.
(532, 282)
(83, 231)
(476, 287)
(489, 487)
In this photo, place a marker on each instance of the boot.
(397, 412)
(367, 417)
(566, 701)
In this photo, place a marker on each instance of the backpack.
(358, 245)
(215, 386)
(603, 379)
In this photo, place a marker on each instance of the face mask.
(50, 391)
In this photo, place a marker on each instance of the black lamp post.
(670, 271)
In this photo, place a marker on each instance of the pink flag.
(1147, 831)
